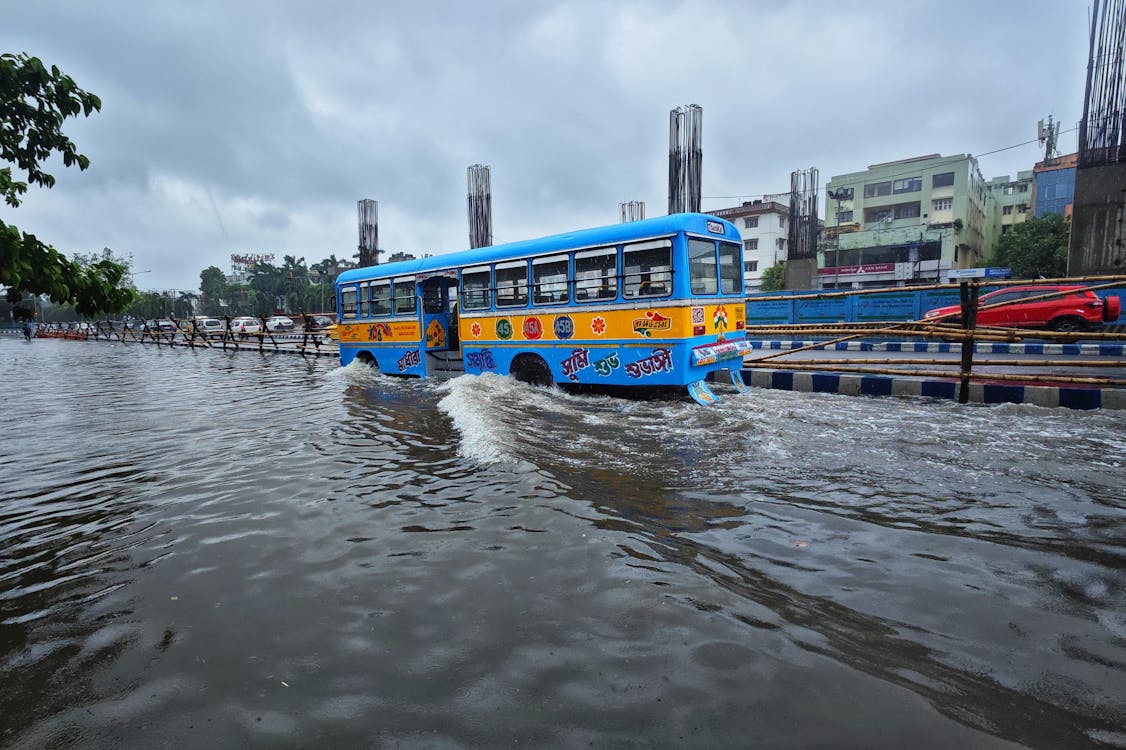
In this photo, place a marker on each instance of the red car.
(1078, 311)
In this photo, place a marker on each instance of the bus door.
(439, 316)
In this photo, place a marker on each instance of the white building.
(763, 225)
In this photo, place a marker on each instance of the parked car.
(1079, 310)
(208, 326)
(244, 326)
(279, 323)
(164, 326)
(321, 322)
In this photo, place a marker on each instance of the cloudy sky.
(234, 126)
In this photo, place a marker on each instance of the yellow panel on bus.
(641, 323)
(405, 332)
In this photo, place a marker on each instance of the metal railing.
(963, 330)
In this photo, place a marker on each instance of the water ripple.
(245, 548)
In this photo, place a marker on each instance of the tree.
(216, 291)
(1034, 249)
(774, 278)
(34, 103)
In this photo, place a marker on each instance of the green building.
(905, 222)
(1011, 204)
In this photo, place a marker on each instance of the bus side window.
(362, 301)
(512, 284)
(475, 288)
(647, 269)
(348, 302)
(596, 274)
(380, 303)
(405, 299)
(549, 280)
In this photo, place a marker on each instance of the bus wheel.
(368, 359)
(530, 368)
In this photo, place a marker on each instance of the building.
(905, 222)
(1053, 186)
(1010, 204)
(763, 226)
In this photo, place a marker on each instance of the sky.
(231, 126)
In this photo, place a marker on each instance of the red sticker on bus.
(533, 329)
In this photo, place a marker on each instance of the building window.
(1022, 208)
(909, 185)
(782, 222)
(844, 217)
(750, 222)
(750, 266)
(942, 180)
(877, 214)
(876, 189)
(1006, 227)
(749, 245)
(1007, 210)
(943, 204)
(781, 243)
(907, 211)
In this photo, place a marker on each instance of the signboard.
(866, 268)
(979, 273)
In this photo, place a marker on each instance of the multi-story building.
(904, 222)
(1053, 186)
(763, 226)
(1010, 204)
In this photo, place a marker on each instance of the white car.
(208, 326)
(243, 326)
(279, 323)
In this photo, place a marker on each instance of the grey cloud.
(287, 113)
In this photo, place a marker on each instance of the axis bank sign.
(867, 268)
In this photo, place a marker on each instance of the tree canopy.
(34, 103)
(1035, 248)
(774, 278)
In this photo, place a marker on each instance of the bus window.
(380, 298)
(647, 269)
(512, 284)
(362, 300)
(730, 270)
(701, 267)
(348, 302)
(549, 280)
(475, 285)
(405, 300)
(596, 274)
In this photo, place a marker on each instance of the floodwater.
(200, 549)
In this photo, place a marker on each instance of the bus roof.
(612, 234)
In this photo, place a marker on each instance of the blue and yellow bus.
(657, 302)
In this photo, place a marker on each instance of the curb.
(980, 393)
(1098, 350)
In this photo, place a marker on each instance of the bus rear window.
(405, 300)
(380, 298)
(596, 274)
(647, 269)
(702, 267)
(475, 286)
(730, 269)
(512, 284)
(348, 302)
(549, 280)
